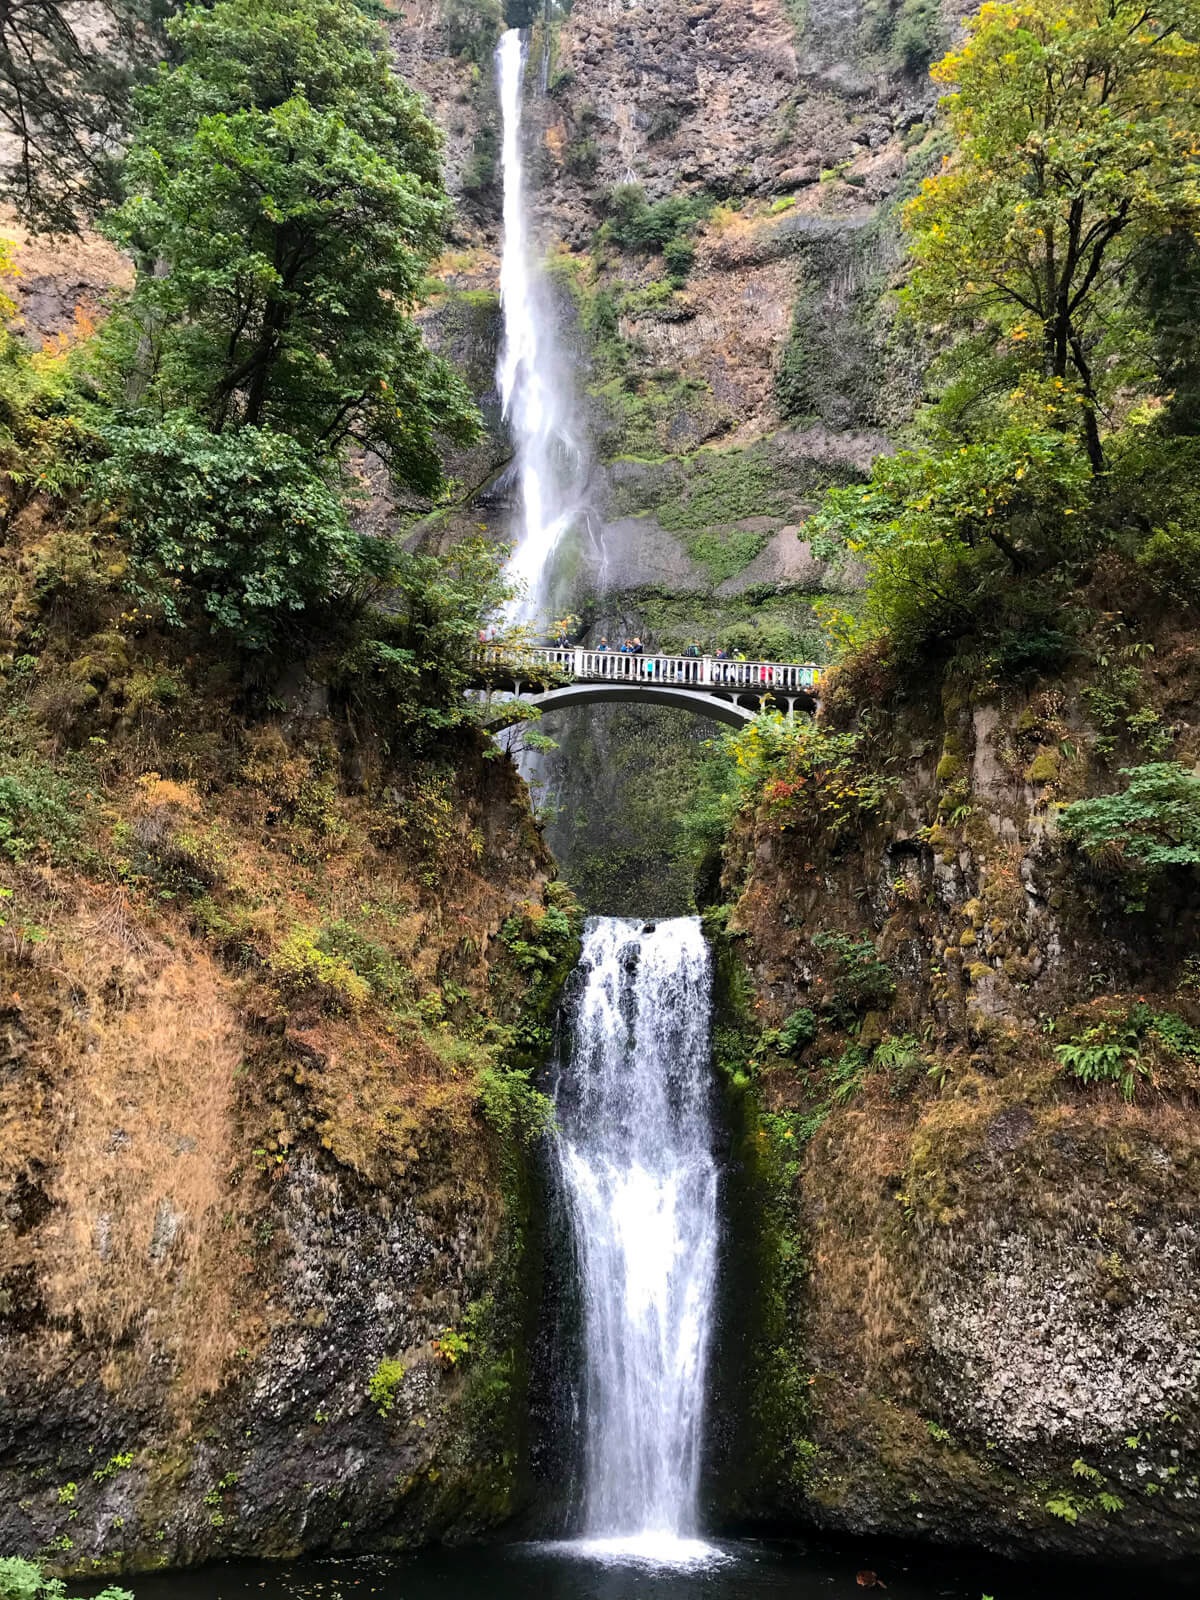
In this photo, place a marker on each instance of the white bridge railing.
(606, 666)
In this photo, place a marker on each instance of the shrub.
(1151, 828)
(236, 527)
(634, 224)
(301, 964)
(385, 1380)
(679, 254)
(799, 1029)
(37, 812)
(915, 37)
(479, 174)
(472, 28)
(581, 158)
(861, 981)
(390, 981)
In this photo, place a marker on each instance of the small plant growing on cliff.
(301, 965)
(799, 1030)
(385, 1381)
(452, 1346)
(861, 981)
(23, 1580)
(1107, 1053)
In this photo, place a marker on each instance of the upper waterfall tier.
(534, 382)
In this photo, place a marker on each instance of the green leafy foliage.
(23, 1580)
(234, 527)
(1104, 1055)
(1050, 259)
(284, 202)
(1070, 155)
(1149, 828)
(384, 1383)
(944, 533)
(38, 812)
(1123, 1044)
(860, 980)
(634, 224)
(407, 658)
(472, 28)
(798, 1030)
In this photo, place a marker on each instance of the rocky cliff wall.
(727, 375)
(272, 999)
(976, 1261)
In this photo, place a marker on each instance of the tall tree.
(1076, 126)
(284, 198)
(287, 186)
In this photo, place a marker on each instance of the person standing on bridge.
(637, 647)
(603, 645)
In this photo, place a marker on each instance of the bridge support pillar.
(791, 705)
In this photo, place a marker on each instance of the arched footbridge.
(727, 691)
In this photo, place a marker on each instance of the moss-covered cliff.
(964, 1062)
(273, 997)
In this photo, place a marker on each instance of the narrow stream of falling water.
(634, 1151)
(533, 378)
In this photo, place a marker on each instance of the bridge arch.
(700, 704)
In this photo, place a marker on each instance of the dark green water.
(738, 1571)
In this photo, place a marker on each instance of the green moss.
(769, 1392)
(724, 552)
(725, 486)
(1044, 767)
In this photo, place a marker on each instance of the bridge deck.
(691, 672)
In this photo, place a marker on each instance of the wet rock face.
(1039, 1341)
(999, 1320)
(716, 95)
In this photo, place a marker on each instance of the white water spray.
(634, 1150)
(535, 389)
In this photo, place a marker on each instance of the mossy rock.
(1044, 767)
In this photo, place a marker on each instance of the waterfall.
(534, 382)
(634, 1151)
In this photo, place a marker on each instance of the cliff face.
(270, 999)
(977, 1270)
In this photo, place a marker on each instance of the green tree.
(1076, 126)
(284, 201)
(945, 531)
(286, 186)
